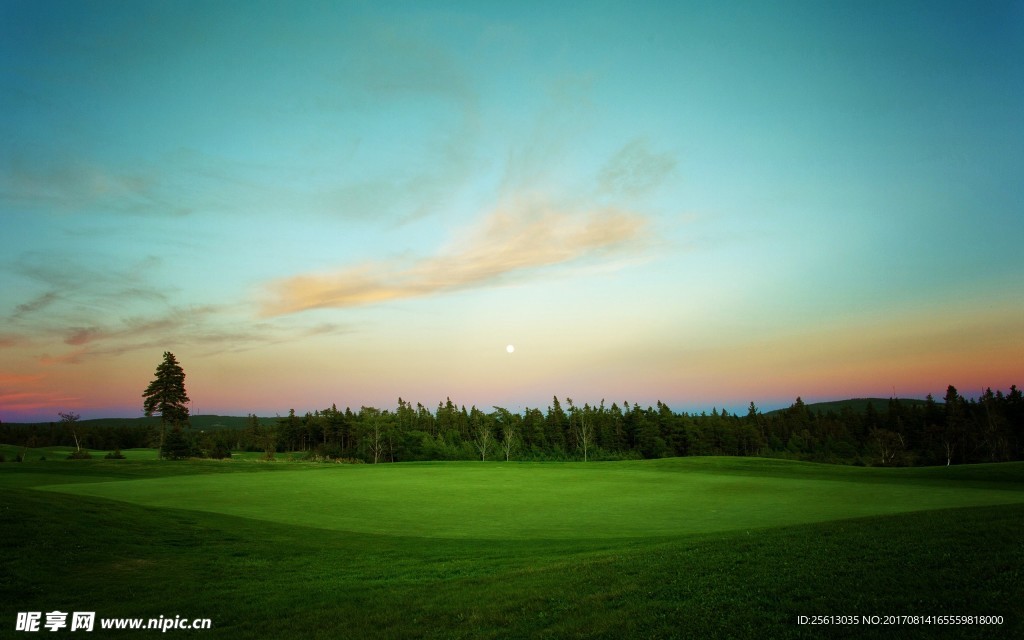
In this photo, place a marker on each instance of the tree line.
(955, 430)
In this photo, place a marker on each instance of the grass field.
(693, 547)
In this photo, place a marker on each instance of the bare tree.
(483, 438)
(69, 421)
(509, 434)
(585, 431)
(889, 444)
(376, 438)
(950, 447)
(582, 424)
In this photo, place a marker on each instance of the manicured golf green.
(549, 501)
(675, 548)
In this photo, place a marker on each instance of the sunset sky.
(706, 203)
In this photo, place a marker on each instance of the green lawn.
(695, 547)
(538, 501)
(45, 454)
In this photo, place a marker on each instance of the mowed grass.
(548, 501)
(267, 574)
(37, 454)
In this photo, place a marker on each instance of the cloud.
(545, 147)
(36, 304)
(82, 312)
(635, 169)
(21, 393)
(9, 340)
(210, 329)
(512, 242)
(88, 275)
(380, 177)
(84, 336)
(33, 402)
(18, 378)
(58, 181)
(122, 337)
(177, 325)
(82, 304)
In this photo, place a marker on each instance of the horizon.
(708, 204)
(694, 410)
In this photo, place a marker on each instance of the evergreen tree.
(556, 424)
(672, 429)
(288, 431)
(1014, 407)
(176, 446)
(533, 430)
(615, 438)
(166, 395)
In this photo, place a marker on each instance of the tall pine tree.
(166, 395)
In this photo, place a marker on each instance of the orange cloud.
(84, 336)
(18, 378)
(10, 340)
(22, 393)
(510, 242)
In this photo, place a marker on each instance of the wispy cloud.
(18, 378)
(636, 169)
(210, 330)
(118, 337)
(85, 312)
(40, 302)
(81, 304)
(84, 336)
(133, 328)
(512, 242)
(86, 279)
(59, 182)
(540, 153)
(21, 393)
(9, 340)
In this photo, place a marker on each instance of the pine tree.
(176, 446)
(166, 395)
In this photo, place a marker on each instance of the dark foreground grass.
(260, 579)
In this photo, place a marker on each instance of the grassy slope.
(262, 579)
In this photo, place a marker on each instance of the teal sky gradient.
(705, 203)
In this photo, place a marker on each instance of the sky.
(703, 203)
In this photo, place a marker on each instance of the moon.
(510, 348)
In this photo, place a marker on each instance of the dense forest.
(956, 430)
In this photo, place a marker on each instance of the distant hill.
(199, 423)
(858, 405)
